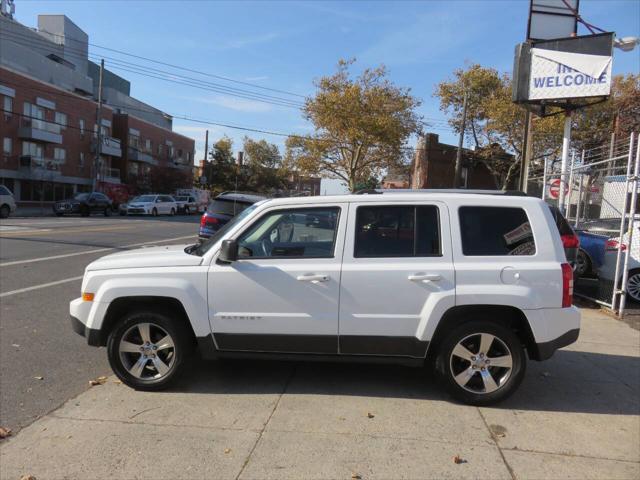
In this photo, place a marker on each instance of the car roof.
(407, 195)
(240, 197)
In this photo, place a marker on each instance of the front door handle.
(425, 277)
(313, 278)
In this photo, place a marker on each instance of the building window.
(81, 125)
(31, 149)
(134, 141)
(148, 146)
(61, 119)
(95, 130)
(160, 150)
(7, 104)
(6, 146)
(81, 160)
(105, 131)
(189, 157)
(59, 154)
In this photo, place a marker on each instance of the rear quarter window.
(491, 231)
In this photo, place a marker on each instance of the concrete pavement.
(575, 416)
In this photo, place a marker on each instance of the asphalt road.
(40, 262)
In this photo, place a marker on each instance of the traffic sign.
(554, 188)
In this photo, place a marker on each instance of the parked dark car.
(570, 240)
(84, 204)
(222, 209)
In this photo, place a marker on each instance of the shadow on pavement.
(572, 381)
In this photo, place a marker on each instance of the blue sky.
(286, 45)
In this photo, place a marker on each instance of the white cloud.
(242, 42)
(233, 103)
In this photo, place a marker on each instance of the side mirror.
(228, 251)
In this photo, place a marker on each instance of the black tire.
(84, 211)
(583, 263)
(107, 212)
(448, 365)
(173, 212)
(59, 214)
(173, 326)
(123, 213)
(186, 211)
(154, 212)
(5, 211)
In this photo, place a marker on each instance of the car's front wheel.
(172, 212)
(186, 211)
(5, 211)
(154, 212)
(147, 349)
(107, 212)
(633, 285)
(481, 362)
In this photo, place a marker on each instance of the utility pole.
(566, 143)
(96, 163)
(458, 170)
(205, 163)
(526, 152)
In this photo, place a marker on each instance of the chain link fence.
(600, 202)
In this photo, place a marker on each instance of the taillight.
(203, 222)
(612, 244)
(567, 285)
(207, 220)
(570, 240)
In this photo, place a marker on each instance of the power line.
(165, 75)
(140, 57)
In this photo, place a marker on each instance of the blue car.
(593, 237)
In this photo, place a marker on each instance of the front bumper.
(93, 336)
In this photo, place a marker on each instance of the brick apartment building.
(433, 166)
(48, 122)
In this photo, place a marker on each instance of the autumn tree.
(263, 169)
(495, 125)
(361, 126)
(220, 169)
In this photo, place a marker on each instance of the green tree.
(220, 170)
(263, 169)
(361, 126)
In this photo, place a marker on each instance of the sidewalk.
(575, 416)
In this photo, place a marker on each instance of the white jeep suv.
(470, 282)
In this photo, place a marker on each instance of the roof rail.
(379, 191)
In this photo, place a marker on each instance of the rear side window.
(398, 231)
(495, 231)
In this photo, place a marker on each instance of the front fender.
(187, 286)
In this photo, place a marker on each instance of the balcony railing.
(35, 129)
(39, 165)
(142, 155)
(110, 175)
(110, 146)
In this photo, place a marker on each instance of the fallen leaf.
(356, 476)
(458, 460)
(370, 415)
(4, 432)
(27, 477)
(39, 378)
(98, 381)
(227, 450)
(118, 382)
(498, 430)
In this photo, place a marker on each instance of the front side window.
(397, 231)
(500, 231)
(293, 233)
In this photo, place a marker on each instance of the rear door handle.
(425, 277)
(313, 278)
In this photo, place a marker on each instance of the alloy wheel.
(633, 286)
(147, 351)
(481, 363)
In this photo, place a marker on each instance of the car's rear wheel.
(107, 212)
(147, 349)
(583, 263)
(481, 362)
(84, 211)
(5, 211)
(173, 212)
(633, 285)
(154, 212)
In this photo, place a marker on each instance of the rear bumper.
(546, 350)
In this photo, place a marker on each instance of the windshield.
(145, 198)
(207, 244)
(81, 196)
(227, 206)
